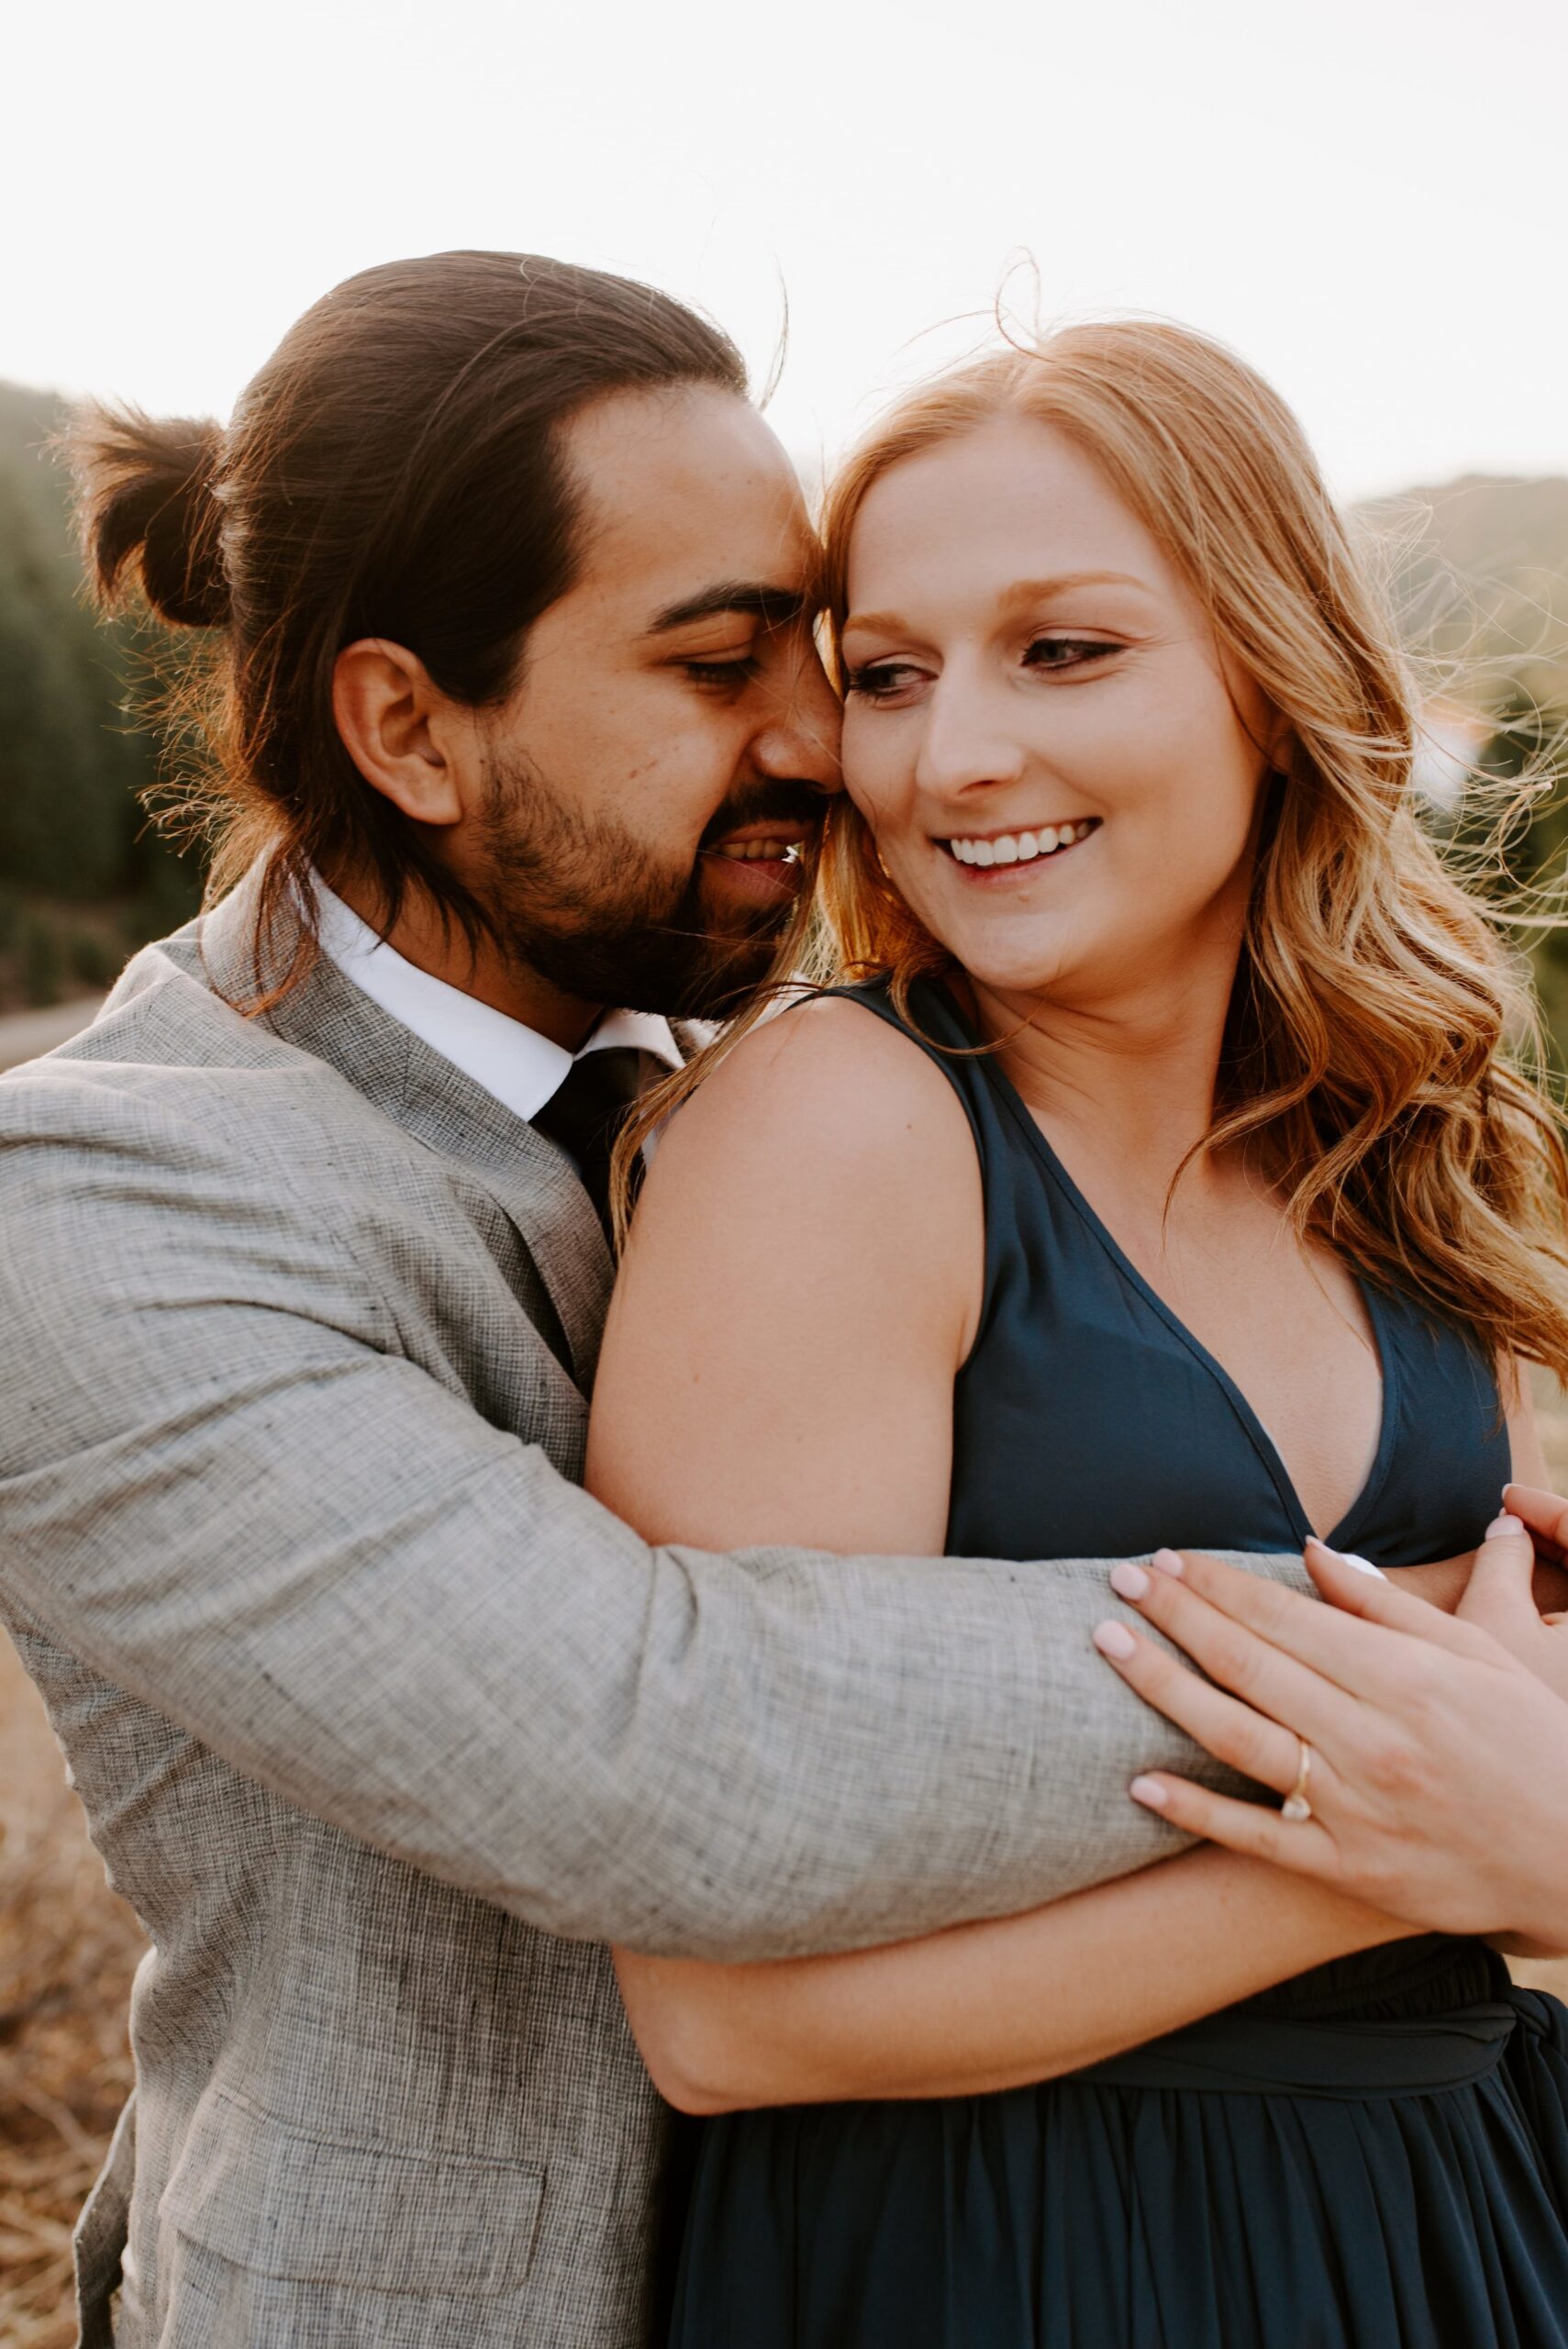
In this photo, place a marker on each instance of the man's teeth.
(1021, 847)
(753, 851)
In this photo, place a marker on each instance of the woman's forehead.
(1005, 501)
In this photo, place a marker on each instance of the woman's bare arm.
(992, 2005)
(804, 1280)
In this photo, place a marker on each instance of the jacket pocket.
(311, 2210)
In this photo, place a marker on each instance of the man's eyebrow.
(1022, 591)
(777, 607)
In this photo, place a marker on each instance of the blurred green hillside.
(1479, 567)
(83, 881)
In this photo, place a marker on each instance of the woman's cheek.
(882, 799)
(869, 779)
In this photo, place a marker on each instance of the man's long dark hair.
(394, 469)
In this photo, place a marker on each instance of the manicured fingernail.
(1347, 1558)
(1506, 1523)
(1358, 1565)
(1169, 1562)
(1149, 1792)
(1128, 1581)
(1114, 1639)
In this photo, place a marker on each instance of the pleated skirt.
(1376, 2175)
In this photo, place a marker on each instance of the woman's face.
(1061, 772)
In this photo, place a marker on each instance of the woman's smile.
(1018, 852)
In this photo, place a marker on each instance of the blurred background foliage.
(84, 880)
(1479, 569)
(1479, 573)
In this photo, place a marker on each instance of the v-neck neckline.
(1263, 1443)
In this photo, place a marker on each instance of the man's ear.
(394, 724)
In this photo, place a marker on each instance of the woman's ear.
(390, 717)
(1279, 743)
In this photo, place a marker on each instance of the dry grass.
(67, 1952)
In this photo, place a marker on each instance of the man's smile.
(763, 860)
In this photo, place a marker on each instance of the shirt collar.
(517, 1066)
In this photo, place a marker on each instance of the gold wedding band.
(1295, 1805)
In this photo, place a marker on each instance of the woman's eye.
(880, 681)
(1066, 652)
(886, 680)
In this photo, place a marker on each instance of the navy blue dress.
(1375, 2154)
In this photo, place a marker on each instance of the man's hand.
(1439, 1748)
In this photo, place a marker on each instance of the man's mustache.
(794, 807)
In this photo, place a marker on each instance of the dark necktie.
(585, 1115)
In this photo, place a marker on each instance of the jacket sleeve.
(225, 1486)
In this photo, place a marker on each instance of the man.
(382, 1726)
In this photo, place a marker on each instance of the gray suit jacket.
(385, 1728)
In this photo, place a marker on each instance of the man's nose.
(799, 742)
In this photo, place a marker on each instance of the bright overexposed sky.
(1366, 196)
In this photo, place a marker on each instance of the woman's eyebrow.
(1032, 591)
(1022, 591)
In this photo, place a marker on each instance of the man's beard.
(589, 910)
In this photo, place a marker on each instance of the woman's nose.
(963, 742)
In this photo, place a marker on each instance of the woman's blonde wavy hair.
(1381, 1049)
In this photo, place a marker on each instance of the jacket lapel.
(534, 1183)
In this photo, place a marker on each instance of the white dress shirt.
(515, 1064)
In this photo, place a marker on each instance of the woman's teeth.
(753, 851)
(1021, 847)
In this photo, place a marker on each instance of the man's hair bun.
(146, 509)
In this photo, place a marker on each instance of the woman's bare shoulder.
(803, 1279)
(826, 1154)
(827, 1139)
(822, 1091)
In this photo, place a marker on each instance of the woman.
(1158, 1180)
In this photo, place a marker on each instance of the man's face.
(663, 760)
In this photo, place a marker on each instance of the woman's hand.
(1439, 1747)
(1539, 1641)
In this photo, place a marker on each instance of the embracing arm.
(227, 1484)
